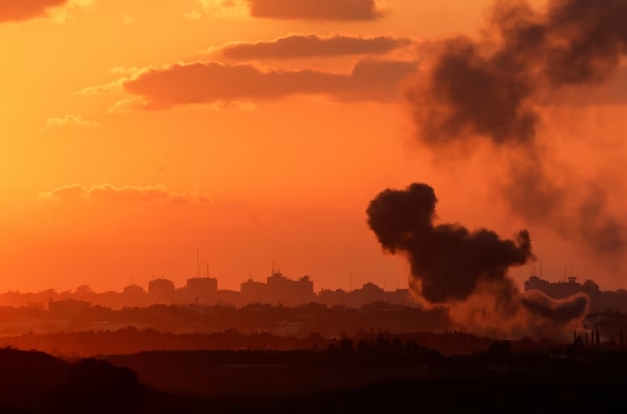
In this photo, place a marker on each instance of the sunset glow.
(134, 132)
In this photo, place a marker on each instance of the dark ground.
(393, 380)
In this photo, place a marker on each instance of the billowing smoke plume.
(464, 269)
(491, 89)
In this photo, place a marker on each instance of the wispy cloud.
(68, 121)
(128, 20)
(126, 194)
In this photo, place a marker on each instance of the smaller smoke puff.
(453, 266)
(448, 260)
(560, 311)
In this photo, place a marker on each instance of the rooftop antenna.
(571, 268)
(350, 281)
(198, 263)
(207, 269)
(540, 268)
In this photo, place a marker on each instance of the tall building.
(162, 291)
(290, 292)
(134, 296)
(202, 289)
(133, 290)
(254, 292)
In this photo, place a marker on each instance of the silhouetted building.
(134, 290)
(202, 289)
(333, 297)
(290, 292)
(369, 293)
(134, 296)
(252, 291)
(559, 290)
(162, 290)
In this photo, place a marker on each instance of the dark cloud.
(359, 10)
(493, 89)
(308, 46)
(612, 92)
(21, 10)
(451, 264)
(202, 83)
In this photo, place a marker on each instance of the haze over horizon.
(135, 132)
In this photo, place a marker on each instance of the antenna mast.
(350, 281)
(198, 263)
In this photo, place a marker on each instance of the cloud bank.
(213, 82)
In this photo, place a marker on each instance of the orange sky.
(109, 174)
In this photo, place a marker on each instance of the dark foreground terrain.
(346, 379)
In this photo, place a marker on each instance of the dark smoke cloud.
(452, 265)
(492, 89)
(560, 311)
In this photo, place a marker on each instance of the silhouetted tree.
(383, 343)
(500, 350)
(362, 347)
(346, 345)
(397, 343)
(577, 345)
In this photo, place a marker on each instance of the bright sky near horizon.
(133, 132)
